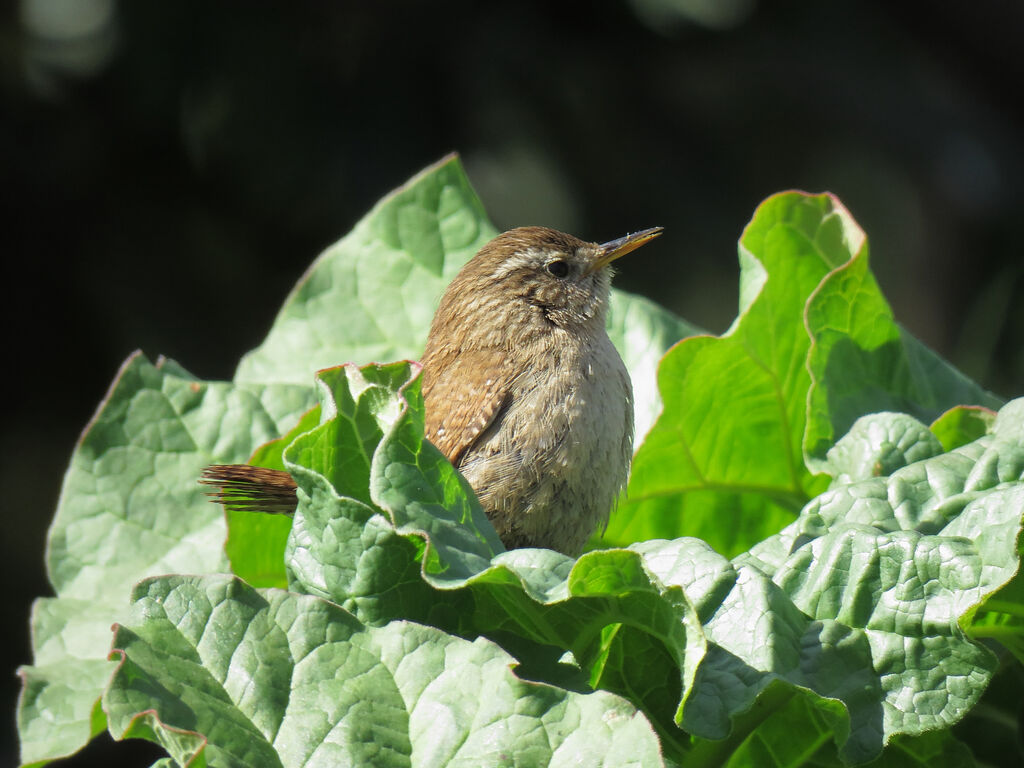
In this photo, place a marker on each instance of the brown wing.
(463, 394)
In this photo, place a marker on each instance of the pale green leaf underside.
(858, 603)
(272, 678)
(131, 507)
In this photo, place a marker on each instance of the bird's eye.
(558, 268)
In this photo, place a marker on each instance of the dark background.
(169, 170)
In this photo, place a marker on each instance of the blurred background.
(170, 169)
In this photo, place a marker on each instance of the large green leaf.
(725, 454)
(862, 362)
(855, 609)
(387, 529)
(749, 415)
(902, 560)
(131, 507)
(271, 678)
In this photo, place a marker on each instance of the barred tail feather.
(241, 487)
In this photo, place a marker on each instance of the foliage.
(804, 572)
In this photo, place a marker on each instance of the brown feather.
(463, 394)
(251, 489)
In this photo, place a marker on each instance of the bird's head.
(533, 280)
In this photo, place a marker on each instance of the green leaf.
(798, 734)
(642, 332)
(271, 678)
(1001, 616)
(419, 547)
(730, 522)
(758, 637)
(58, 710)
(749, 416)
(782, 729)
(900, 563)
(856, 608)
(727, 446)
(962, 424)
(863, 362)
(331, 552)
(931, 749)
(878, 445)
(131, 506)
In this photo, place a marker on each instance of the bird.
(523, 391)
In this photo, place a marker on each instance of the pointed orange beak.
(613, 249)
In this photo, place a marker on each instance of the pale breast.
(549, 469)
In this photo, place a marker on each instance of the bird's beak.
(613, 249)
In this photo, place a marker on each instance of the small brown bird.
(524, 392)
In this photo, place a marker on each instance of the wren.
(523, 391)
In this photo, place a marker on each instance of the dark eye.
(558, 268)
